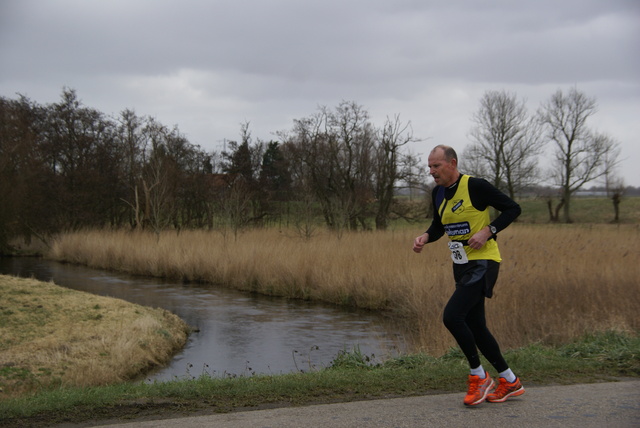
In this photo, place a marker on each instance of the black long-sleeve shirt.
(483, 194)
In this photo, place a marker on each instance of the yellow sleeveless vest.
(461, 221)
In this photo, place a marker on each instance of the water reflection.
(238, 333)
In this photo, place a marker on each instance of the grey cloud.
(267, 61)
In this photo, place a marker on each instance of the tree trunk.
(616, 206)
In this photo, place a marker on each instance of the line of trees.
(507, 143)
(65, 166)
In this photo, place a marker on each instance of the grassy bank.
(556, 282)
(53, 337)
(592, 358)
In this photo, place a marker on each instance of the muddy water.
(237, 333)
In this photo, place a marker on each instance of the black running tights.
(464, 317)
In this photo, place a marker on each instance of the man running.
(461, 210)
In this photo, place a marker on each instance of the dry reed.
(556, 282)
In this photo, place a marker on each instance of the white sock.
(508, 375)
(478, 371)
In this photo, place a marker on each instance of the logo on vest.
(457, 208)
(457, 229)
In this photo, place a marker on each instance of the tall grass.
(556, 282)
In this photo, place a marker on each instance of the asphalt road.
(610, 404)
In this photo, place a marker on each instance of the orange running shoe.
(505, 390)
(478, 389)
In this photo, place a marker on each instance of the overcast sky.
(208, 66)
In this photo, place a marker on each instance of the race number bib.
(458, 255)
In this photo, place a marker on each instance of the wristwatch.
(493, 229)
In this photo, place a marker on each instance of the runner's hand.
(419, 242)
(480, 238)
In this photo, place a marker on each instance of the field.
(584, 210)
(556, 282)
(564, 310)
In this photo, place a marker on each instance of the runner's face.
(444, 172)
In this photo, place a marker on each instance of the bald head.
(448, 152)
(443, 165)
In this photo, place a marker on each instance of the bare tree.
(331, 157)
(612, 180)
(133, 142)
(414, 175)
(616, 197)
(581, 155)
(158, 180)
(244, 160)
(237, 207)
(351, 147)
(24, 179)
(79, 145)
(614, 184)
(65, 166)
(388, 161)
(506, 143)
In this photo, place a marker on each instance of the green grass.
(351, 376)
(583, 210)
